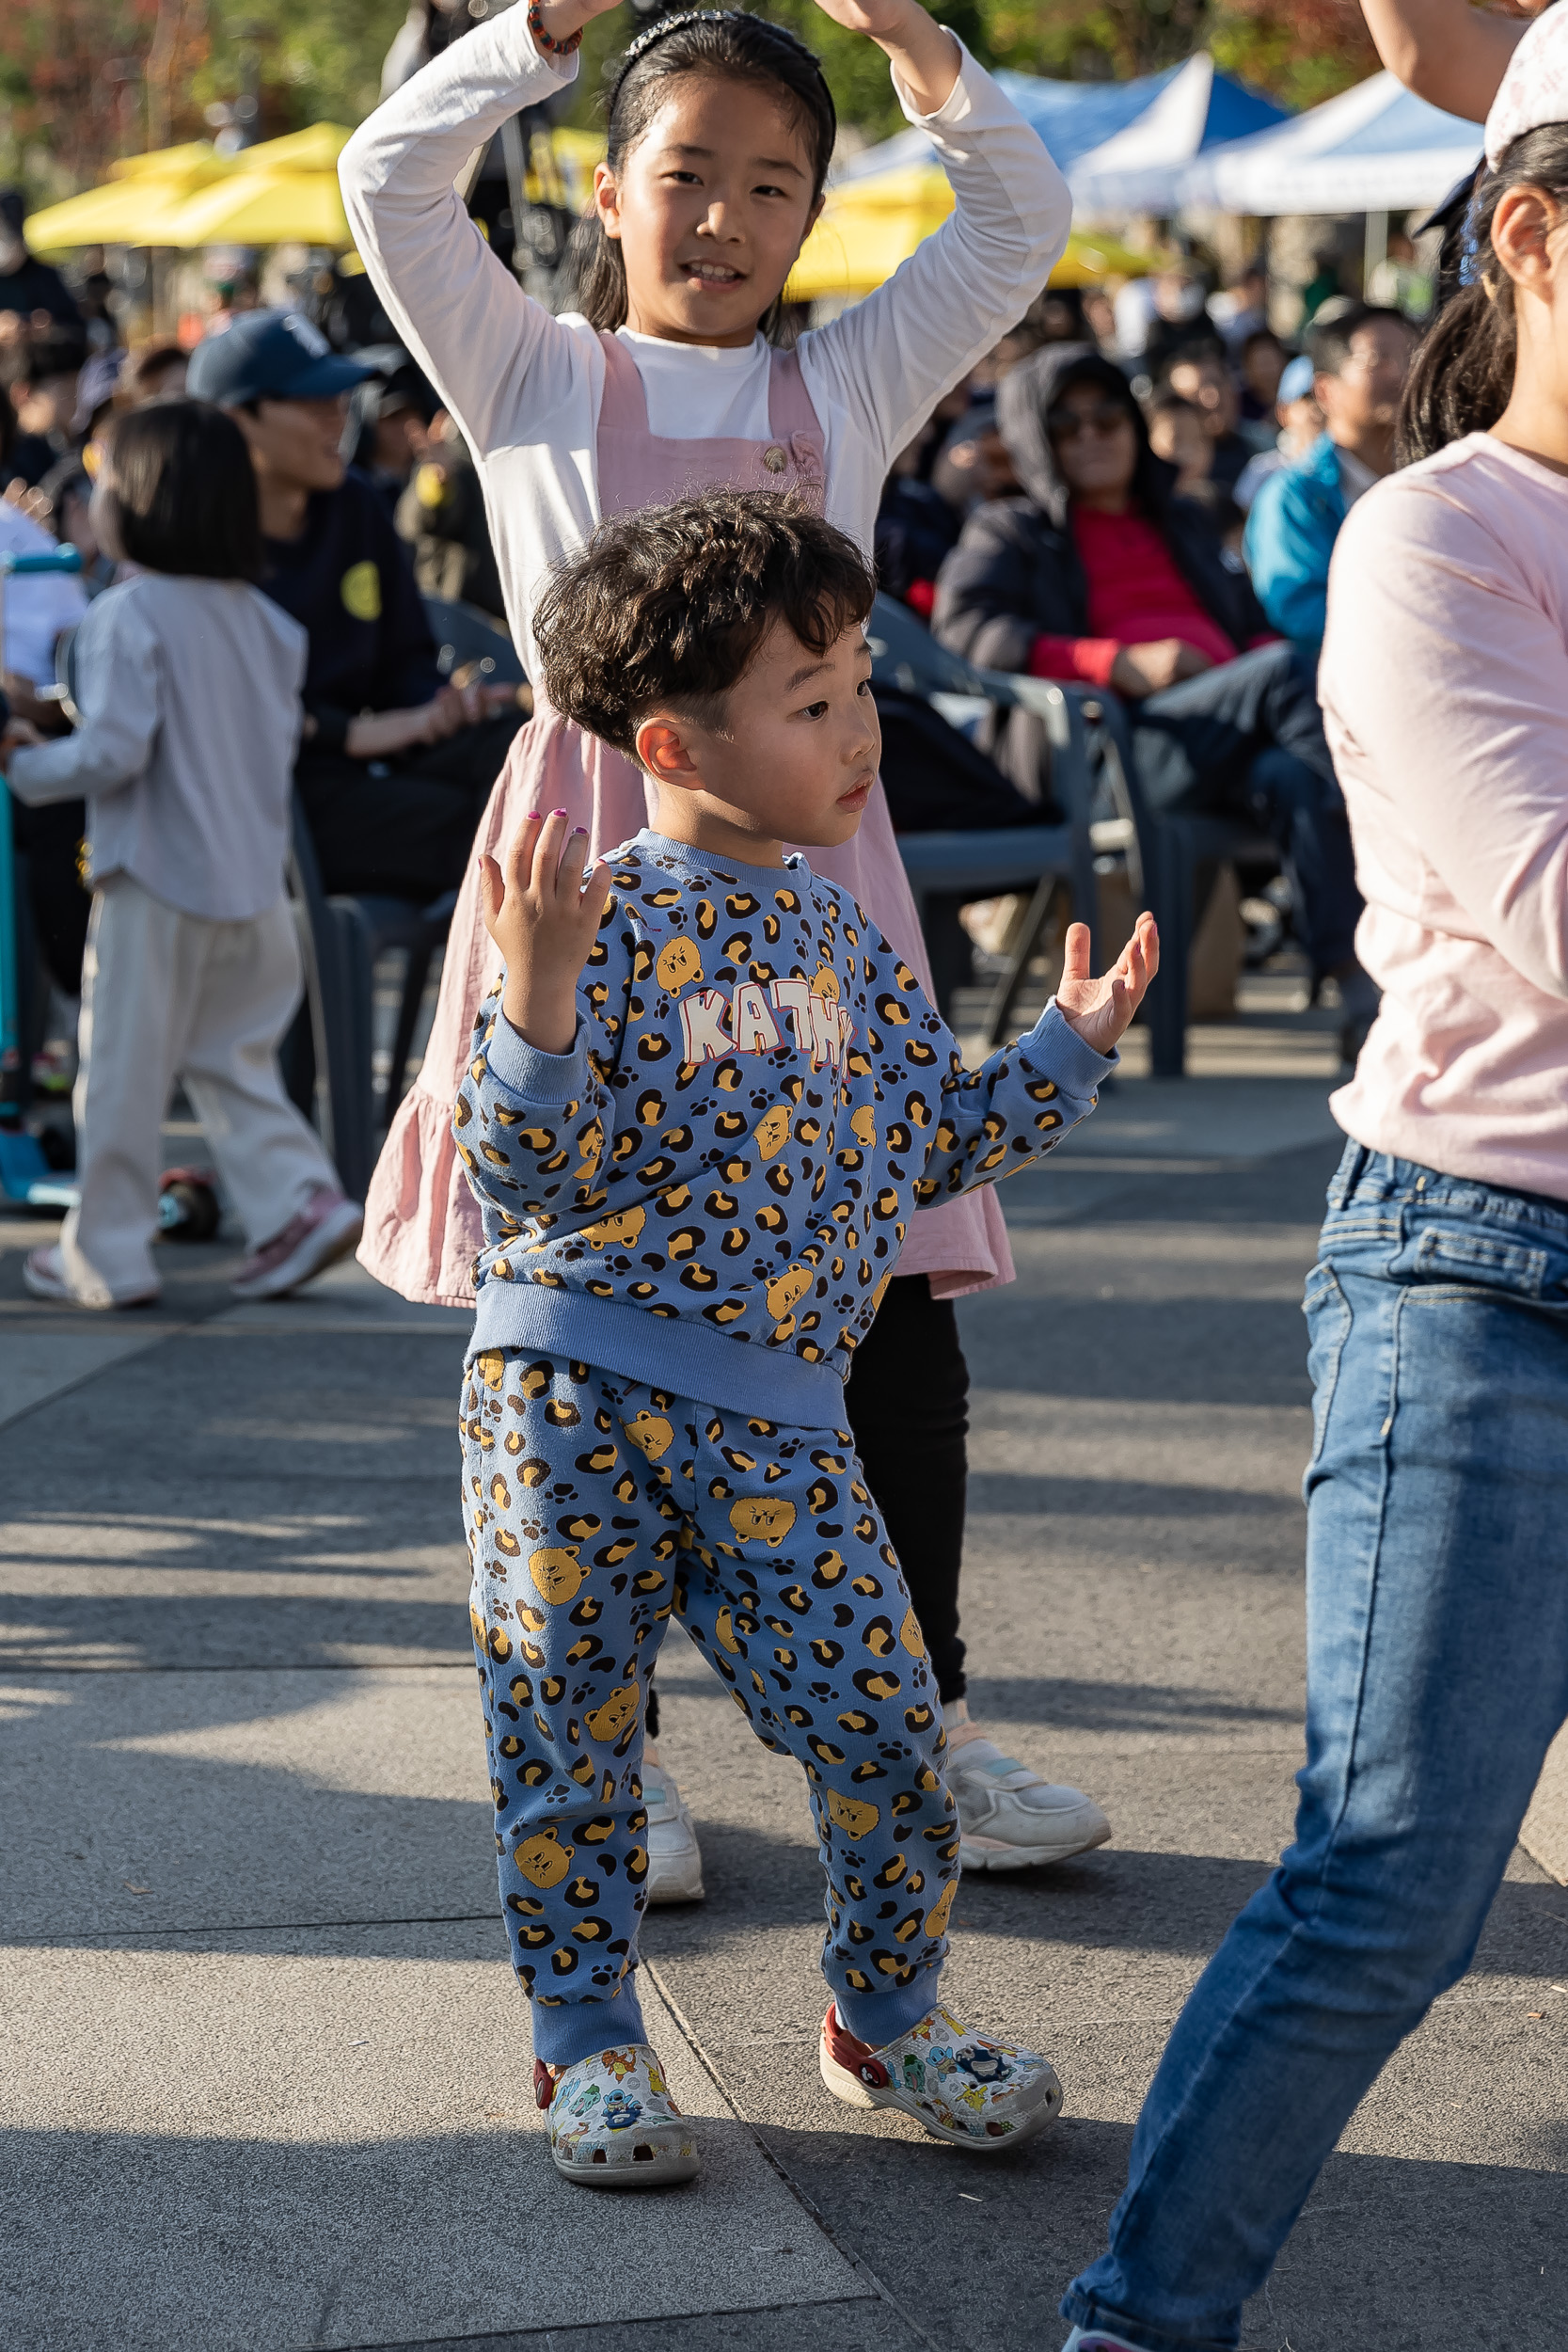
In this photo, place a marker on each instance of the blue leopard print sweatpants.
(595, 1507)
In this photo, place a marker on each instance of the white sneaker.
(613, 2123)
(980, 2094)
(675, 1857)
(1009, 1817)
(43, 1273)
(326, 1230)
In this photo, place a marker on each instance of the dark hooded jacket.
(1016, 573)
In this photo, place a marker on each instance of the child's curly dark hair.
(664, 609)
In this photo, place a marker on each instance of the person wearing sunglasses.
(1099, 572)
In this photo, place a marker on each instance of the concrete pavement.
(266, 2073)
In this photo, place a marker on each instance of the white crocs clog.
(613, 2123)
(964, 2087)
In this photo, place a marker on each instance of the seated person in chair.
(395, 767)
(1098, 572)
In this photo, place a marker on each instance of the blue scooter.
(25, 1177)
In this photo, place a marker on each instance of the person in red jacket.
(1098, 572)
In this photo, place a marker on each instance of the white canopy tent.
(1376, 149)
(1140, 168)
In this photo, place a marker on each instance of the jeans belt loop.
(1347, 1178)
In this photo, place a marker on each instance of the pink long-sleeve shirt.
(1445, 693)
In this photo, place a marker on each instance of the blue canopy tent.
(1139, 168)
(1075, 118)
(1375, 149)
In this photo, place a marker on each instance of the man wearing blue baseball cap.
(395, 767)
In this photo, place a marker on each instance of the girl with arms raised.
(720, 129)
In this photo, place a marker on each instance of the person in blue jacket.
(1359, 359)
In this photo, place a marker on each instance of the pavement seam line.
(808, 2205)
(145, 1347)
(572, 2327)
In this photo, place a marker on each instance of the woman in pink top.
(1437, 1492)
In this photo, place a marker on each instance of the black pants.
(50, 838)
(1247, 737)
(403, 827)
(908, 1403)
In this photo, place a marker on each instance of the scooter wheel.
(187, 1211)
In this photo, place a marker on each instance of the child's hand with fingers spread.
(1100, 1010)
(542, 911)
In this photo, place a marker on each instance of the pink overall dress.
(421, 1221)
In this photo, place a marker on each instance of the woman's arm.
(1449, 54)
(1445, 690)
(890, 360)
(459, 309)
(117, 663)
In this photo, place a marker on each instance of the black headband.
(653, 34)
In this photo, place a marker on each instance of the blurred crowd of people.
(1144, 496)
(368, 503)
(1140, 494)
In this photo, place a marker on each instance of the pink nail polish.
(536, 816)
(580, 832)
(558, 812)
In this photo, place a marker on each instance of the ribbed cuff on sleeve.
(1058, 1050)
(534, 1076)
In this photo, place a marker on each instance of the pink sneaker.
(326, 1230)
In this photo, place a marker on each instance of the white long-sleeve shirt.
(189, 695)
(39, 605)
(526, 387)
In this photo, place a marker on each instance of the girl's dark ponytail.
(729, 44)
(1462, 375)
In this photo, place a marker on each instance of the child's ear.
(607, 200)
(663, 748)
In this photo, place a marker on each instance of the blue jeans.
(1437, 1675)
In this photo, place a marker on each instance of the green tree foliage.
(83, 81)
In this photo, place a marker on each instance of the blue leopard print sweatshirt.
(709, 1192)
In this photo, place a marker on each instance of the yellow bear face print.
(853, 1814)
(825, 982)
(911, 1635)
(543, 1860)
(756, 1520)
(679, 964)
(772, 1131)
(936, 1918)
(616, 1233)
(606, 1724)
(788, 1290)
(491, 1368)
(651, 1434)
(862, 1126)
(557, 1572)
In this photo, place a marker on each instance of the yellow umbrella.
(263, 207)
(868, 227)
(143, 194)
(315, 148)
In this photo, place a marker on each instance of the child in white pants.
(188, 684)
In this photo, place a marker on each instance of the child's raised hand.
(1100, 1010)
(542, 911)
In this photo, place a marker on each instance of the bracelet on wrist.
(545, 41)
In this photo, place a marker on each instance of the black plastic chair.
(465, 639)
(1165, 854)
(905, 653)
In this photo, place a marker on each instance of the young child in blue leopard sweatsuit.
(690, 1213)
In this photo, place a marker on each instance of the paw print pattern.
(760, 1099)
(763, 1541)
